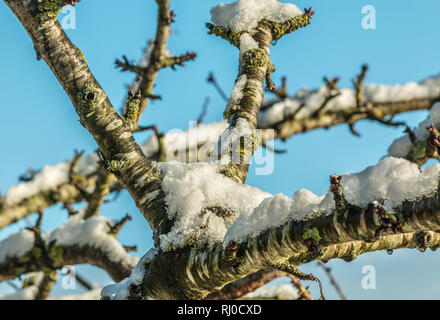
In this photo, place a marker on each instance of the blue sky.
(38, 125)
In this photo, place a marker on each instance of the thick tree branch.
(120, 153)
(243, 107)
(343, 234)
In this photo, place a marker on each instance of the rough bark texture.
(70, 255)
(197, 271)
(121, 155)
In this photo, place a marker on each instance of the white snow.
(277, 210)
(16, 244)
(282, 291)
(205, 135)
(28, 293)
(191, 187)
(237, 91)
(374, 93)
(401, 146)
(244, 15)
(121, 290)
(247, 43)
(393, 180)
(92, 232)
(49, 178)
(230, 141)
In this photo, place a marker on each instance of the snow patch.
(244, 15)
(121, 290)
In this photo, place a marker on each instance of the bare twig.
(332, 280)
(213, 80)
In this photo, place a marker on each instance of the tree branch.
(120, 153)
(57, 249)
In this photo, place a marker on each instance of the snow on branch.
(244, 15)
(51, 184)
(306, 101)
(79, 241)
(207, 207)
(30, 288)
(352, 228)
(420, 143)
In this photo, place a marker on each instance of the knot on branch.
(423, 239)
(170, 18)
(311, 238)
(389, 221)
(231, 251)
(89, 98)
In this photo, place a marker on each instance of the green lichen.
(418, 150)
(24, 259)
(225, 33)
(55, 254)
(255, 58)
(20, 270)
(230, 170)
(312, 234)
(81, 53)
(281, 29)
(248, 144)
(114, 166)
(338, 195)
(29, 281)
(230, 111)
(37, 252)
(45, 10)
(132, 113)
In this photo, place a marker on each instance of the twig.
(213, 80)
(333, 280)
(332, 86)
(304, 294)
(204, 111)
